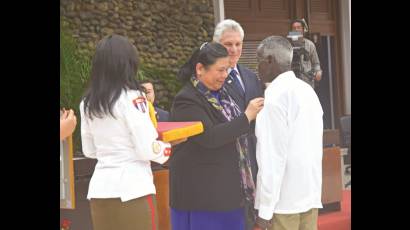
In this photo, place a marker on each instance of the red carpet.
(338, 220)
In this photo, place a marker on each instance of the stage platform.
(340, 220)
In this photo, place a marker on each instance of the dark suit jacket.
(162, 115)
(204, 170)
(253, 89)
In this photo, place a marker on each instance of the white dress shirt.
(289, 130)
(124, 147)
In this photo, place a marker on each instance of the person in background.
(161, 114)
(68, 121)
(289, 150)
(310, 61)
(210, 174)
(116, 130)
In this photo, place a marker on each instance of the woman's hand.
(178, 141)
(68, 121)
(256, 227)
(254, 106)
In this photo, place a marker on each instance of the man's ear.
(269, 59)
(272, 60)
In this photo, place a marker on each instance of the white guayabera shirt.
(289, 131)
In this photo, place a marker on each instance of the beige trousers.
(135, 214)
(300, 221)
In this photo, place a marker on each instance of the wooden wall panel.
(238, 8)
(323, 16)
(273, 9)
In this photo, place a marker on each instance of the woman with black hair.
(211, 181)
(116, 130)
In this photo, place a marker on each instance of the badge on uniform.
(156, 147)
(167, 152)
(140, 103)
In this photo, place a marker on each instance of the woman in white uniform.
(116, 130)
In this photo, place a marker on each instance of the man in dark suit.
(242, 84)
(161, 114)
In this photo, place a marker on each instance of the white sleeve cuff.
(265, 213)
(163, 154)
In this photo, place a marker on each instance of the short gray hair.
(277, 47)
(227, 24)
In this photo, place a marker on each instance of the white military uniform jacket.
(124, 147)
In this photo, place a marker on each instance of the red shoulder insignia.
(140, 103)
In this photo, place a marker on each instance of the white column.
(345, 9)
(350, 21)
(219, 11)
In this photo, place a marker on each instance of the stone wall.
(165, 32)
